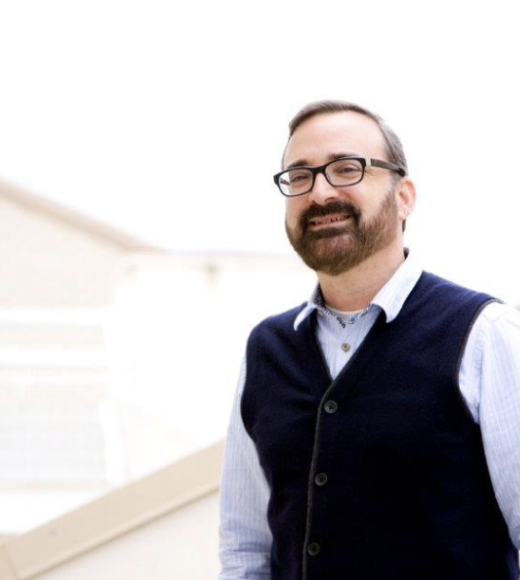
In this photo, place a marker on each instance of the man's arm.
(495, 366)
(245, 537)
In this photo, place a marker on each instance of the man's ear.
(405, 196)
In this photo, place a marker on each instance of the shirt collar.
(390, 298)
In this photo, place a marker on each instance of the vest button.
(313, 549)
(331, 407)
(321, 479)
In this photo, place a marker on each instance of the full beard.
(337, 249)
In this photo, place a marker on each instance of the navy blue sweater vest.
(381, 473)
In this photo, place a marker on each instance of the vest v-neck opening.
(316, 346)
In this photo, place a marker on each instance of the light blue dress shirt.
(489, 381)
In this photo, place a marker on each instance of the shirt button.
(345, 347)
(331, 407)
(313, 549)
(321, 479)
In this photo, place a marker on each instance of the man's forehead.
(324, 134)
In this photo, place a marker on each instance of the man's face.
(336, 228)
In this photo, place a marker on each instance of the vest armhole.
(462, 351)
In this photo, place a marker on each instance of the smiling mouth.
(335, 219)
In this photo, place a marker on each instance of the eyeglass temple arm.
(385, 165)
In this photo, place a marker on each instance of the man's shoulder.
(270, 339)
(440, 301)
(429, 282)
(281, 321)
(498, 318)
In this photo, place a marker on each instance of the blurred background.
(141, 235)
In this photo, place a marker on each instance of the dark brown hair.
(393, 145)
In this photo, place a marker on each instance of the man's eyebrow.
(331, 157)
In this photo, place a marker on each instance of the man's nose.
(322, 190)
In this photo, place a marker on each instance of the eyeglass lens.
(341, 172)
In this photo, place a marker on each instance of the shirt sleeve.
(494, 366)
(245, 537)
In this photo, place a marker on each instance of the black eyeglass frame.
(364, 162)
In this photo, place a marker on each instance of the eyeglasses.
(340, 172)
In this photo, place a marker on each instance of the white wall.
(56, 284)
(176, 338)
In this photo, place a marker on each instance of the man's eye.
(298, 177)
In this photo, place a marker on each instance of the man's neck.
(354, 290)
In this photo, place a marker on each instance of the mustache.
(315, 210)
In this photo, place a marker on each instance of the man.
(375, 432)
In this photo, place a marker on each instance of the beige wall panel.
(47, 262)
(180, 546)
(6, 570)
